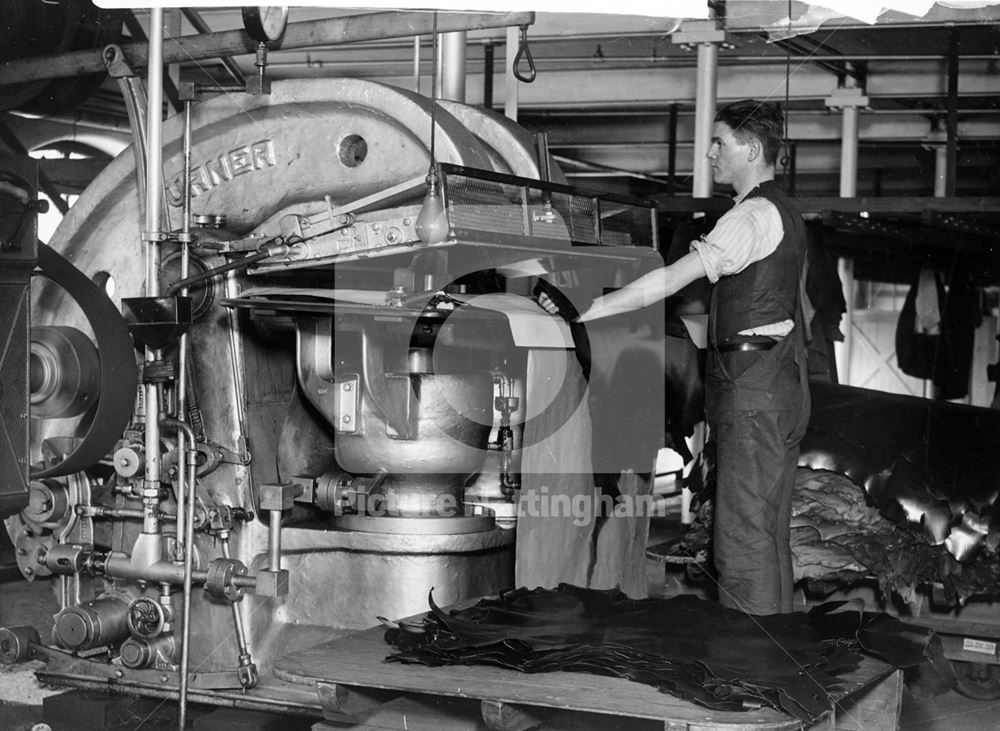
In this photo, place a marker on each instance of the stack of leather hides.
(689, 647)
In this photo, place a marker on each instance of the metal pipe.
(453, 65)
(849, 152)
(940, 171)
(416, 64)
(274, 541)
(704, 111)
(306, 34)
(588, 64)
(120, 566)
(187, 579)
(184, 432)
(151, 236)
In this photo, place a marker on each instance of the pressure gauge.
(265, 23)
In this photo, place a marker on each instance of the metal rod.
(99, 511)
(306, 34)
(704, 111)
(275, 541)
(247, 671)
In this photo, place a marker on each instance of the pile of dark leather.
(686, 646)
(838, 539)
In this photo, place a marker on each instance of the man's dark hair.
(761, 120)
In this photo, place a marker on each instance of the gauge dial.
(265, 23)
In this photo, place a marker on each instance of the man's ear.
(755, 149)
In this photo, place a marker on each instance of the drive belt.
(119, 375)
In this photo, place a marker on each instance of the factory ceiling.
(613, 94)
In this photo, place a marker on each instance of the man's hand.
(550, 306)
(547, 304)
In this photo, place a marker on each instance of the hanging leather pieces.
(686, 646)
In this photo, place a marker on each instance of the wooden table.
(353, 681)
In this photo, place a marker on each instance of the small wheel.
(978, 680)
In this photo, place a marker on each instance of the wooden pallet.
(355, 683)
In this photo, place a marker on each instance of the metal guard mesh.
(488, 203)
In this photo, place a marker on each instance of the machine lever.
(247, 670)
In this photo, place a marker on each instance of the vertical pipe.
(416, 64)
(849, 152)
(940, 171)
(488, 54)
(275, 541)
(151, 236)
(182, 357)
(453, 65)
(706, 83)
(704, 117)
(186, 604)
(154, 152)
(509, 80)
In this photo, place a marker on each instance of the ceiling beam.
(330, 31)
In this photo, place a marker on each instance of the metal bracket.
(846, 97)
(693, 32)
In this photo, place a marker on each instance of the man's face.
(728, 156)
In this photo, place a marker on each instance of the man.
(757, 398)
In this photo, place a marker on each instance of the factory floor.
(21, 696)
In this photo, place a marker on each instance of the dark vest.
(766, 291)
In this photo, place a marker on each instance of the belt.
(746, 345)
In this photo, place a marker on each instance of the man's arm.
(644, 291)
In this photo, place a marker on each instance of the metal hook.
(523, 50)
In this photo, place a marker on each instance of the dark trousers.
(758, 408)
